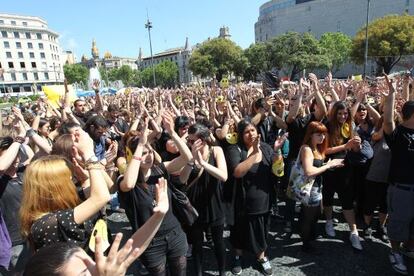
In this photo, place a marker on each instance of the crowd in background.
(185, 164)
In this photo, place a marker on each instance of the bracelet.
(30, 132)
(19, 140)
(94, 166)
(138, 158)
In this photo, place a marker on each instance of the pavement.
(335, 256)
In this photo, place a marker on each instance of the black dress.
(252, 200)
(206, 196)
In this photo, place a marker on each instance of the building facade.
(320, 16)
(277, 17)
(30, 54)
(107, 61)
(180, 56)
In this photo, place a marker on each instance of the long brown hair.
(335, 136)
(47, 188)
(316, 127)
(64, 146)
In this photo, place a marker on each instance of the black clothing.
(60, 226)
(257, 183)
(297, 131)
(206, 196)
(161, 148)
(11, 190)
(401, 144)
(139, 203)
(268, 130)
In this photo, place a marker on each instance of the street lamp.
(148, 26)
(366, 40)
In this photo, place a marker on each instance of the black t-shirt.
(401, 144)
(139, 203)
(297, 131)
(162, 148)
(10, 201)
(259, 180)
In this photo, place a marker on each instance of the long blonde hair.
(47, 187)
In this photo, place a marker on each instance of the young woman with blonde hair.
(52, 211)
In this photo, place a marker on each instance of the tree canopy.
(297, 52)
(76, 73)
(166, 74)
(218, 57)
(389, 38)
(337, 47)
(258, 58)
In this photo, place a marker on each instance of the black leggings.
(375, 195)
(308, 222)
(338, 181)
(176, 267)
(196, 233)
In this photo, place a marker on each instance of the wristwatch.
(191, 164)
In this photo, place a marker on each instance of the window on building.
(0, 65)
(22, 65)
(1, 22)
(24, 76)
(36, 76)
(41, 46)
(29, 45)
(18, 45)
(28, 36)
(44, 65)
(8, 55)
(34, 64)
(46, 75)
(6, 44)
(50, 47)
(4, 34)
(20, 54)
(42, 55)
(309, 29)
(13, 76)
(11, 65)
(31, 55)
(16, 34)
(24, 23)
(338, 26)
(13, 22)
(39, 35)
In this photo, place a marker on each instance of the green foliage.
(258, 58)
(166, 75)
(389, 38)
(76, 73)
(337, 47)
(297, 52)
(218, 57)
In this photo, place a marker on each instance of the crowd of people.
(185, 164)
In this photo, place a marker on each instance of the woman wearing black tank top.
(137, 191)
(204, 176)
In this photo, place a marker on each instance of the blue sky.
(118, 26)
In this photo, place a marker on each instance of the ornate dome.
(107, 55)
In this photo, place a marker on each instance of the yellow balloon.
(231, 138)
(100, 230)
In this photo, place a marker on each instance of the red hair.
(316, 127)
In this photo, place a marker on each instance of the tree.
(218, 57)
(76, 73)
(258, 58)
(389, 38)
(337, 47)
(166, 75)
(297, 52)
(125, 74)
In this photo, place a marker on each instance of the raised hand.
(335, 163)
(161, 197)
(95, 85)
(168, 121)
(84, 144)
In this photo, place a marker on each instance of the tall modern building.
(320, 16)
(29, 54)
(179, 56)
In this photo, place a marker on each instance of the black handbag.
(182, 208)
(181, 205)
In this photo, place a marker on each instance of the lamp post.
(148, 26)
(366, 40)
